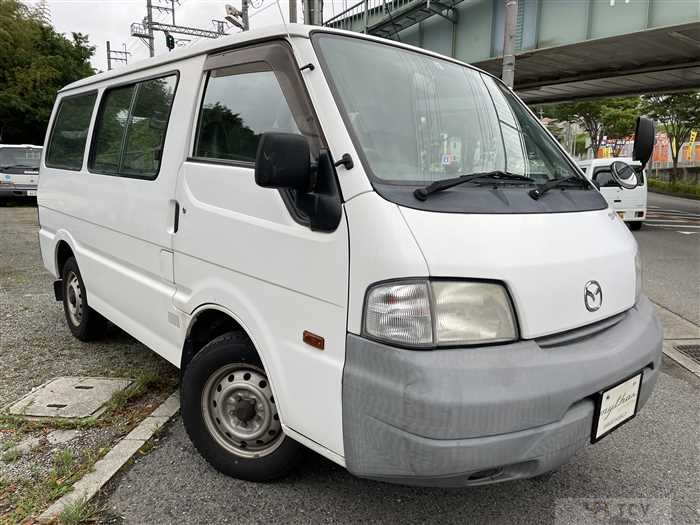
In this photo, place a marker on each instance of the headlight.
(637, 276)
(425, 313)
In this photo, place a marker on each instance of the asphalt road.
(670, 246)
(653, 456)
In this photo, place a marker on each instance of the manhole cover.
(692, 351)
(69, 397)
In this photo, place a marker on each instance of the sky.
(111, 20)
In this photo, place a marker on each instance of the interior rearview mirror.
(283, 160)
(644, 137)
(624, 175)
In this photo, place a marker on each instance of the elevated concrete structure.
(566, 49)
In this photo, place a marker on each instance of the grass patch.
(77, 512)
(677, 187)
(27, 498)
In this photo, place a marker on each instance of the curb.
(103, 470)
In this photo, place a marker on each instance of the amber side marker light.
(314, 340)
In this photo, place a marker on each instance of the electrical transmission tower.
(145, 29)
(43, 12)
(116, 56)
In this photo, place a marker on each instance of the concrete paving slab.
(677, 327)
(58, 437)
(69, 397)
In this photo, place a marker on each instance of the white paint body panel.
(545, 260)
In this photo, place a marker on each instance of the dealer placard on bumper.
(616, 406)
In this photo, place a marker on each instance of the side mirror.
(624, 175)
(283, 160)
(644, 137)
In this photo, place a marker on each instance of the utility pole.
(244, 15)
(149, 28)
(313, 12)
(292, 11)
(511, 24)
(116, 56)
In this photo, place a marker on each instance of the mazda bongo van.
(629, 204)
(351, 245)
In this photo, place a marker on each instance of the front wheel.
(230, 413)
(636, 225)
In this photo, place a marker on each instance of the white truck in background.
(630, 205)
(19, 171)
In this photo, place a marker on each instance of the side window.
(604, 179)
(236, 110)
(131, 126)
(110, 128)
(69, 134)
(147, 125)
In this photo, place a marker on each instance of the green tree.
(613, 117)
(678, 114)
(35, 62)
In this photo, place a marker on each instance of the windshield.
(20, 157)
(419, 119)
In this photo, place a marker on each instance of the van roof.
(243, 37)
(20, 146)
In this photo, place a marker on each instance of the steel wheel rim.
(239, 411)
(74, 299)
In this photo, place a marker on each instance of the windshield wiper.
(422, 193)
(537, 192)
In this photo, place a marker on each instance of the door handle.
(176, 222)
(175, 208)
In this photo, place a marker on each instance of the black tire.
(636, 225)
(232, 349)
(88, 325)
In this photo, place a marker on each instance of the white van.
(19, 171)
(629, 204)
(353, 245)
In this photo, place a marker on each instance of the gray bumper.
(15, 191)
(481, 415)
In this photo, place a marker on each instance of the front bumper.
(482, 415)
(7, 191)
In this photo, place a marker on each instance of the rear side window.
(69, 134)
(236, 110)
(131, 127)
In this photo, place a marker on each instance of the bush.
(678, 187)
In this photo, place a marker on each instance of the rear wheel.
(84, 322)
(230, 413)
(636, 225)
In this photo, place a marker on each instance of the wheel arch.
(210, 320)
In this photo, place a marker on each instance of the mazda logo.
(592, 296)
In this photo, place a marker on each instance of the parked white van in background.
(629, 204)
(19, 171)
(354, 245)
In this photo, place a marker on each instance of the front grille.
(579, 334)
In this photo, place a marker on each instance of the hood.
(545, 261)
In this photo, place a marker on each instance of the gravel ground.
(35, 346)
(35, 343)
